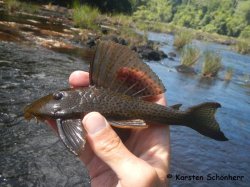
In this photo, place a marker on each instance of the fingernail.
(94, 122)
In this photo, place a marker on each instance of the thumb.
(107, 145)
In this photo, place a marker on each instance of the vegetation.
(189, 56)
(242, 46)
(85, 16)
(15, 5)
(111, 6)
(227, 17)
(154, 10)
(182, 38)
(212, 64)
(121, 19)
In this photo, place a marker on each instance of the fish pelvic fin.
(201, 118)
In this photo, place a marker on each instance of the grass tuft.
(212, 64)
(15, 5)
(242, 47)
(85, 16)
(190, 56)
(122, 20)
(182, 38)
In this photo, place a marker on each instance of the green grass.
(182, 38)
(242, 47)
(212, 64)
(14, 5)
(189, 56)
(122, 20)
(85, 16)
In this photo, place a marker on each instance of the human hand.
(142, 159)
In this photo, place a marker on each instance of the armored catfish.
(119, 81)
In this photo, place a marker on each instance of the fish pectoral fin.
(132, 123)
(72, 134)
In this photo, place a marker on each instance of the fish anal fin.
(72, 134)
(132, 123)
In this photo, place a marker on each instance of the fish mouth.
(29, 114)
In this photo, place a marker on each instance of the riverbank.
(88, 25)
(56, 28)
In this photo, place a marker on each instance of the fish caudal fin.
(201, 118)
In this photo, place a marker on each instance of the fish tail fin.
(201, 118)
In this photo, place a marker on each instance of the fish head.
(62, 104)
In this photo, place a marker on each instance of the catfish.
(119, 82)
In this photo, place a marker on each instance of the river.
(31, 155)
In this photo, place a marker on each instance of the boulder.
(148, 53)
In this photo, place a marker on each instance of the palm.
(146, 149)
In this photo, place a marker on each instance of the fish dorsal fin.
(119, 69)
(72, 134)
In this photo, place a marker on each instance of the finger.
(109, 148)
(79, 78)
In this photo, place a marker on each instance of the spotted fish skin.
(114, 106)
(119, 108)
(119, 81)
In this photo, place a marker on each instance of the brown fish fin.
(201, 118)
(87, 54)
(119, 69)
(133, 123)
(72, 134)
(176, 106)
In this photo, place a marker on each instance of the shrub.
(212, 64)
(246, 32)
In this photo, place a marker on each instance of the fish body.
(75, 103)
(118, 82)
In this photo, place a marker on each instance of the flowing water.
(193, 154)
(31, 155)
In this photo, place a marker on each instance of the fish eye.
(58, 96)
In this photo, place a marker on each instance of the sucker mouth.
(29, 116)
